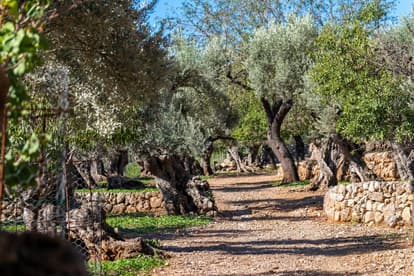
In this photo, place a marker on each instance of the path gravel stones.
(267, 230)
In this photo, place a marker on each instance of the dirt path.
(266, 230)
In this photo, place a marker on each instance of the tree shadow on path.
(303, 247)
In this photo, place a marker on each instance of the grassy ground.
(13, 227)
(142, 223)
(295, 184)
(126, 267)
(141, 190)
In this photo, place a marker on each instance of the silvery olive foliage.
(193, 109)
(279, 58)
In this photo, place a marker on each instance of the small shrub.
(132, 170)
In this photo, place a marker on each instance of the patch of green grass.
(153, 243)
(269, 170)
(291, 184)
(103, 183)
(390, 236)
(132, 170)
(13, 227)
(344, 182)
(142, 190)
(126, 267)
(206, 177)
(147, 180)
(143, 223)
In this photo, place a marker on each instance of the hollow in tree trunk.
(182, 193)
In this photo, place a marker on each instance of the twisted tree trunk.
(276, 114)
(206, 157)
(403, 156)
(119, 160)
(327, 157)
(356, 163)
(252, 157)
(235, 155)
(182, 193)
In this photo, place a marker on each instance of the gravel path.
(266, 230)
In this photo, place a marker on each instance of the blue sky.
(167, 8)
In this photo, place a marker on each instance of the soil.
(268, 230)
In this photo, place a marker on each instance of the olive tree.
(362, 99)
(277, 62)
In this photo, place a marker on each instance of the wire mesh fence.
(51, 205)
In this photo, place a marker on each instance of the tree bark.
(404, 159)
(356, 163)
(275, 116)
(235, 155)
(206, 157)
(327, 159)
(192, 166)
(119, 160)
(182, 193)
(97, 169)
(252, 157)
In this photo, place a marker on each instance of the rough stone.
(131, 209)
(376, 196)
(391, 220)
(337, 216)
(155, 202)
(118, 209)
(379, 217)
(406, 215)
(120, 198)
(369, 216)
(372, 202)
(346, 214)
(369, 206)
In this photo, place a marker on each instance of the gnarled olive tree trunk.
(336, 161)
(253, 156)
(119, 160)
(404, 159)
(182, 193)
(357, 165)
(206, 157)
(276, 114)
(328, 159)
(300, 148)
(235, 155)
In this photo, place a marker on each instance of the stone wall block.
(370, 202)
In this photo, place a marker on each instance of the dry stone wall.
(128, 202)
(386, 203)
(112, 202)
